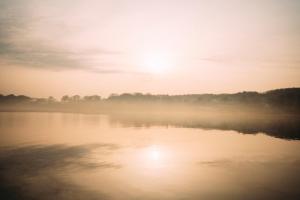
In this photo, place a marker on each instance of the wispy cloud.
(19, 47)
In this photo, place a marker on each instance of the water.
(81, 156)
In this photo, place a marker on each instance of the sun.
(156, 63)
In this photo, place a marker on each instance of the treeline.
(287, 98)
(25, 99)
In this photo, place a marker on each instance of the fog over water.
(90, 156)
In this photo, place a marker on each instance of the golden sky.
(57, 47)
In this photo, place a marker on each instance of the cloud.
(286, 61)
(20, 47)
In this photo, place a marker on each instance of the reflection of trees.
(287, 127)
(196, 110)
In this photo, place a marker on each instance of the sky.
(58, 47)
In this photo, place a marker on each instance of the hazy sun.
(156, 63)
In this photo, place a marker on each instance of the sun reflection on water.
(155, 157)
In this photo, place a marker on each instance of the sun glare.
(156, 63)
(155, 157)
(154, 154)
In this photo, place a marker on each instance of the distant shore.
(280, 101)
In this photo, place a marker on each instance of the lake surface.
(82, 156)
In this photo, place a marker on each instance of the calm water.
(78, 156)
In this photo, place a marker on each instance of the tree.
(92, 98)
(65, 98)
(51, 99)
(75, 98)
